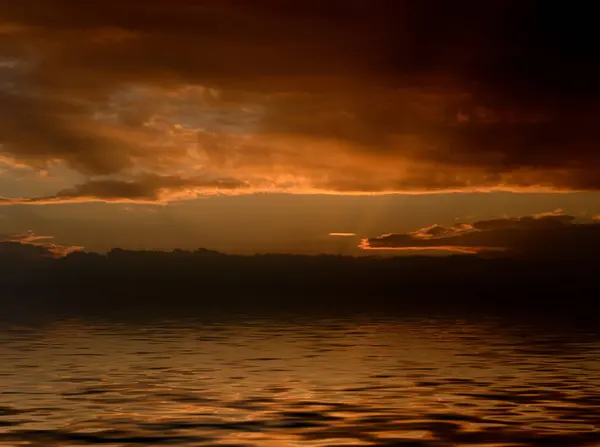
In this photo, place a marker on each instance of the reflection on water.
(299, 381)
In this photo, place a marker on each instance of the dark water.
(299, 381)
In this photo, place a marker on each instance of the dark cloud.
(31, 246)
(553, 234)
(538, 222)
(145, 188)
(38, 131)
(344, 96)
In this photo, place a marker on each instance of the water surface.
(300, 381)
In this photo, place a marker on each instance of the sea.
(360, 379)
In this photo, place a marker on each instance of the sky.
(296, 126)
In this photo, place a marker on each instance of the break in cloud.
(30, 244)
(554, 234)
(352, 96)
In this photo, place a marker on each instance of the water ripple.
(306, 382)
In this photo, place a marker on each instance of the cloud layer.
(310, 96)
(555, 234)
(142, 188)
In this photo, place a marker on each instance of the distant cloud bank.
(554, 233)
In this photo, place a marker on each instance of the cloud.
(540, 221)
(452, 249)
(340, 97)
(30, 244)
(342, 234)
(436, 231)
(145, 188)
(554, 234)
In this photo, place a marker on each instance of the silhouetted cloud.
(29, 244)
(340, 96)
(145, 188)
(554, 233)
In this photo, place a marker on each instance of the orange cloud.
(147, 188)
(365, 244)
(346, 108)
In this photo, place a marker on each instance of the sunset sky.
(296, 126)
